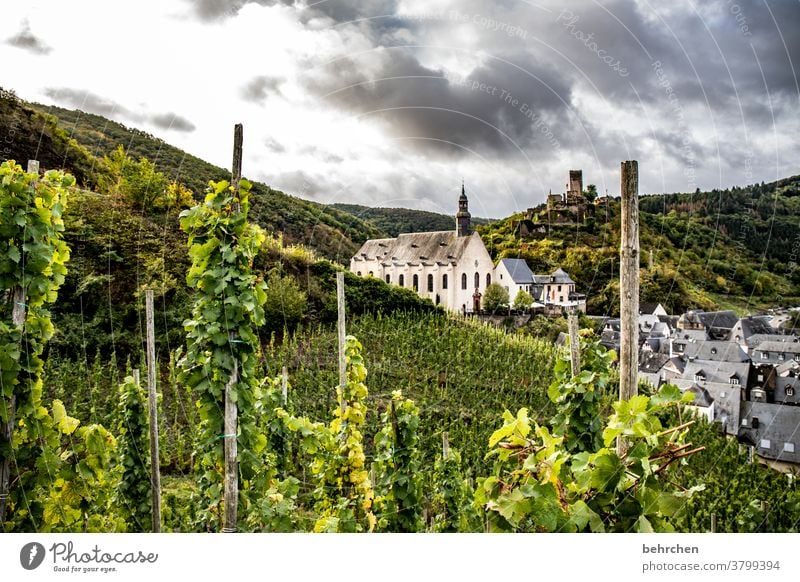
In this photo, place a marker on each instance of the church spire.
(463, 227)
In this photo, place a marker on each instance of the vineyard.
(435, 424)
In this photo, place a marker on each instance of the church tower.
(463, 217)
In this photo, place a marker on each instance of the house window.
(754, 424)
(388, 278)
(401, 281)
(764, 355)
(415, 282)
(358, 273)
(477, 280)
(371, 274)
(430, 283)
(764, 444)
(781, 357)
(444, 281)
(501, 276)
(734, 381)
(788, 447)
(761, 377)
(700, 377)
(559, 288)
(561, 299)
(464, 281)
(488, 279)
(713, 350)
(790, 391)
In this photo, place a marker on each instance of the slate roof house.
(773, 352)
(514, 275)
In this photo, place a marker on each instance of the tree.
(591, 193)
(523, 300)
(285, 305)
(495, 297)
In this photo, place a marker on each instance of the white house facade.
(451, 268)
(514, 276)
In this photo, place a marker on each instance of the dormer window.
(781, 357)
(765, 355)
(713, 351)
(700, 376)
(734, 380)
(790, 391)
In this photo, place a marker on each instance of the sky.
(395, 102)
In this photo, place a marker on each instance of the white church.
(451, 267)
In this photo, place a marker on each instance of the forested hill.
(764, 218)
(398, 220)
(77, 142)
(734, 249)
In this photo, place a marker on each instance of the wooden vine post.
(341, 330)
(152, 374)
(574, 342)
(231, 493)
(18, 316)
(629, 287)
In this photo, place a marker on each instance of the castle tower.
(463, 227)
(575, 182)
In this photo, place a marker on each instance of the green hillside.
(705, 253)
(394, 221)
(77, 142)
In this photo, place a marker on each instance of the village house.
(452, 268)
(514, 276)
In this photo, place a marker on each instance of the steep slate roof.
(719, 319)
(441, 247)
(520, 273)
(541, 279)
(784, 347)
(716, 351)
(702, 397)
(647, 308)
(757, 339)
(651, 362)
(756, 325)
(718, 372)
(560, 276)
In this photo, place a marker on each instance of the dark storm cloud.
(258, 88)
(93, 103)
(419, 103)
(171, 121)
(26, 40)
(85, 101)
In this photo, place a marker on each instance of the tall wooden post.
(445, 445)
(574, 344)
(341, 330)
(284, 386)
(18, 316)
(231, 492)
(629, 287)
(155, 465)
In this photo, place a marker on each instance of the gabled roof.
(429, 247)
(719, 372)
(648, 308)
(757, 339)
(702, 397)
(651, 362)
(720, 319)
(715, 351)
(519, 271)
(756, 325)
(560, 276)
(780, 347)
